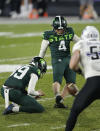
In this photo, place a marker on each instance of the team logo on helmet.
(40, 63)
(59, 23)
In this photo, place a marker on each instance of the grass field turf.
(20, 51)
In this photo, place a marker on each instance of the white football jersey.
(90, 57)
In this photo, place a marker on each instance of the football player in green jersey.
(14, 88)
(59, 40)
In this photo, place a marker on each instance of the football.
(72, 89)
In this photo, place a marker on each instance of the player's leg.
(85, 97)
(27, 103)
(30, 105)
(70, 77)
(58, 71)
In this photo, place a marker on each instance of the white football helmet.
(90, 33)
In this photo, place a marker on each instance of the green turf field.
(16, 48)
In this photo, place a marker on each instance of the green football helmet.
(59, 22)
(40, 63)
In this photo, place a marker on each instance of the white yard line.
(16, 125)
(11, 68)
(15, 59)
(58, 127)
(1, 77)
(13, 35)
(19, 58)
(46, 99)
(16, 45)
(33, 34)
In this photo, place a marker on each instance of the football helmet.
(40, 63)
(59, 22)
(90, 33)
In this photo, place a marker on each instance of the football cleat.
(60, 105)
(8, 110)
(59, 99)
(59, 102)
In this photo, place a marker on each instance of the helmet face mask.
(40, 63)
(90, 33)
(59, 23)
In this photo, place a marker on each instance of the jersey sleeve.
(32, 84)
(36, 71)
(44, 46)
(45, 35)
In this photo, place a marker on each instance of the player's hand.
(41, 93)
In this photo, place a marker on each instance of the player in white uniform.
(86, 53)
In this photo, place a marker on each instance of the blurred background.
(33, 9)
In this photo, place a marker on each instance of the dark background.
(68, 7)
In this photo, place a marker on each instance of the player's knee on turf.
(72, 89)
(37, 109)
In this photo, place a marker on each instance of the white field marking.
(49, 99)
(26, 35)
(20, 58)
(50, 72)
(16, 45)
(8, 68)
(22, 124)
(58, 127)
(46, 99)
(1, 77)
(11, 68)
(6, 33)
(16, 59)
(12, 35)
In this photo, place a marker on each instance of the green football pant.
(27, 103)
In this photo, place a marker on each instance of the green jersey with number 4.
(59, 44)
(20, 78)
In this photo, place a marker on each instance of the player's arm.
(32, 85)
(74, 62)
(43, 48)
(76, 38)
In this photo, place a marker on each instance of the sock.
(15, 109)
(58, 94)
